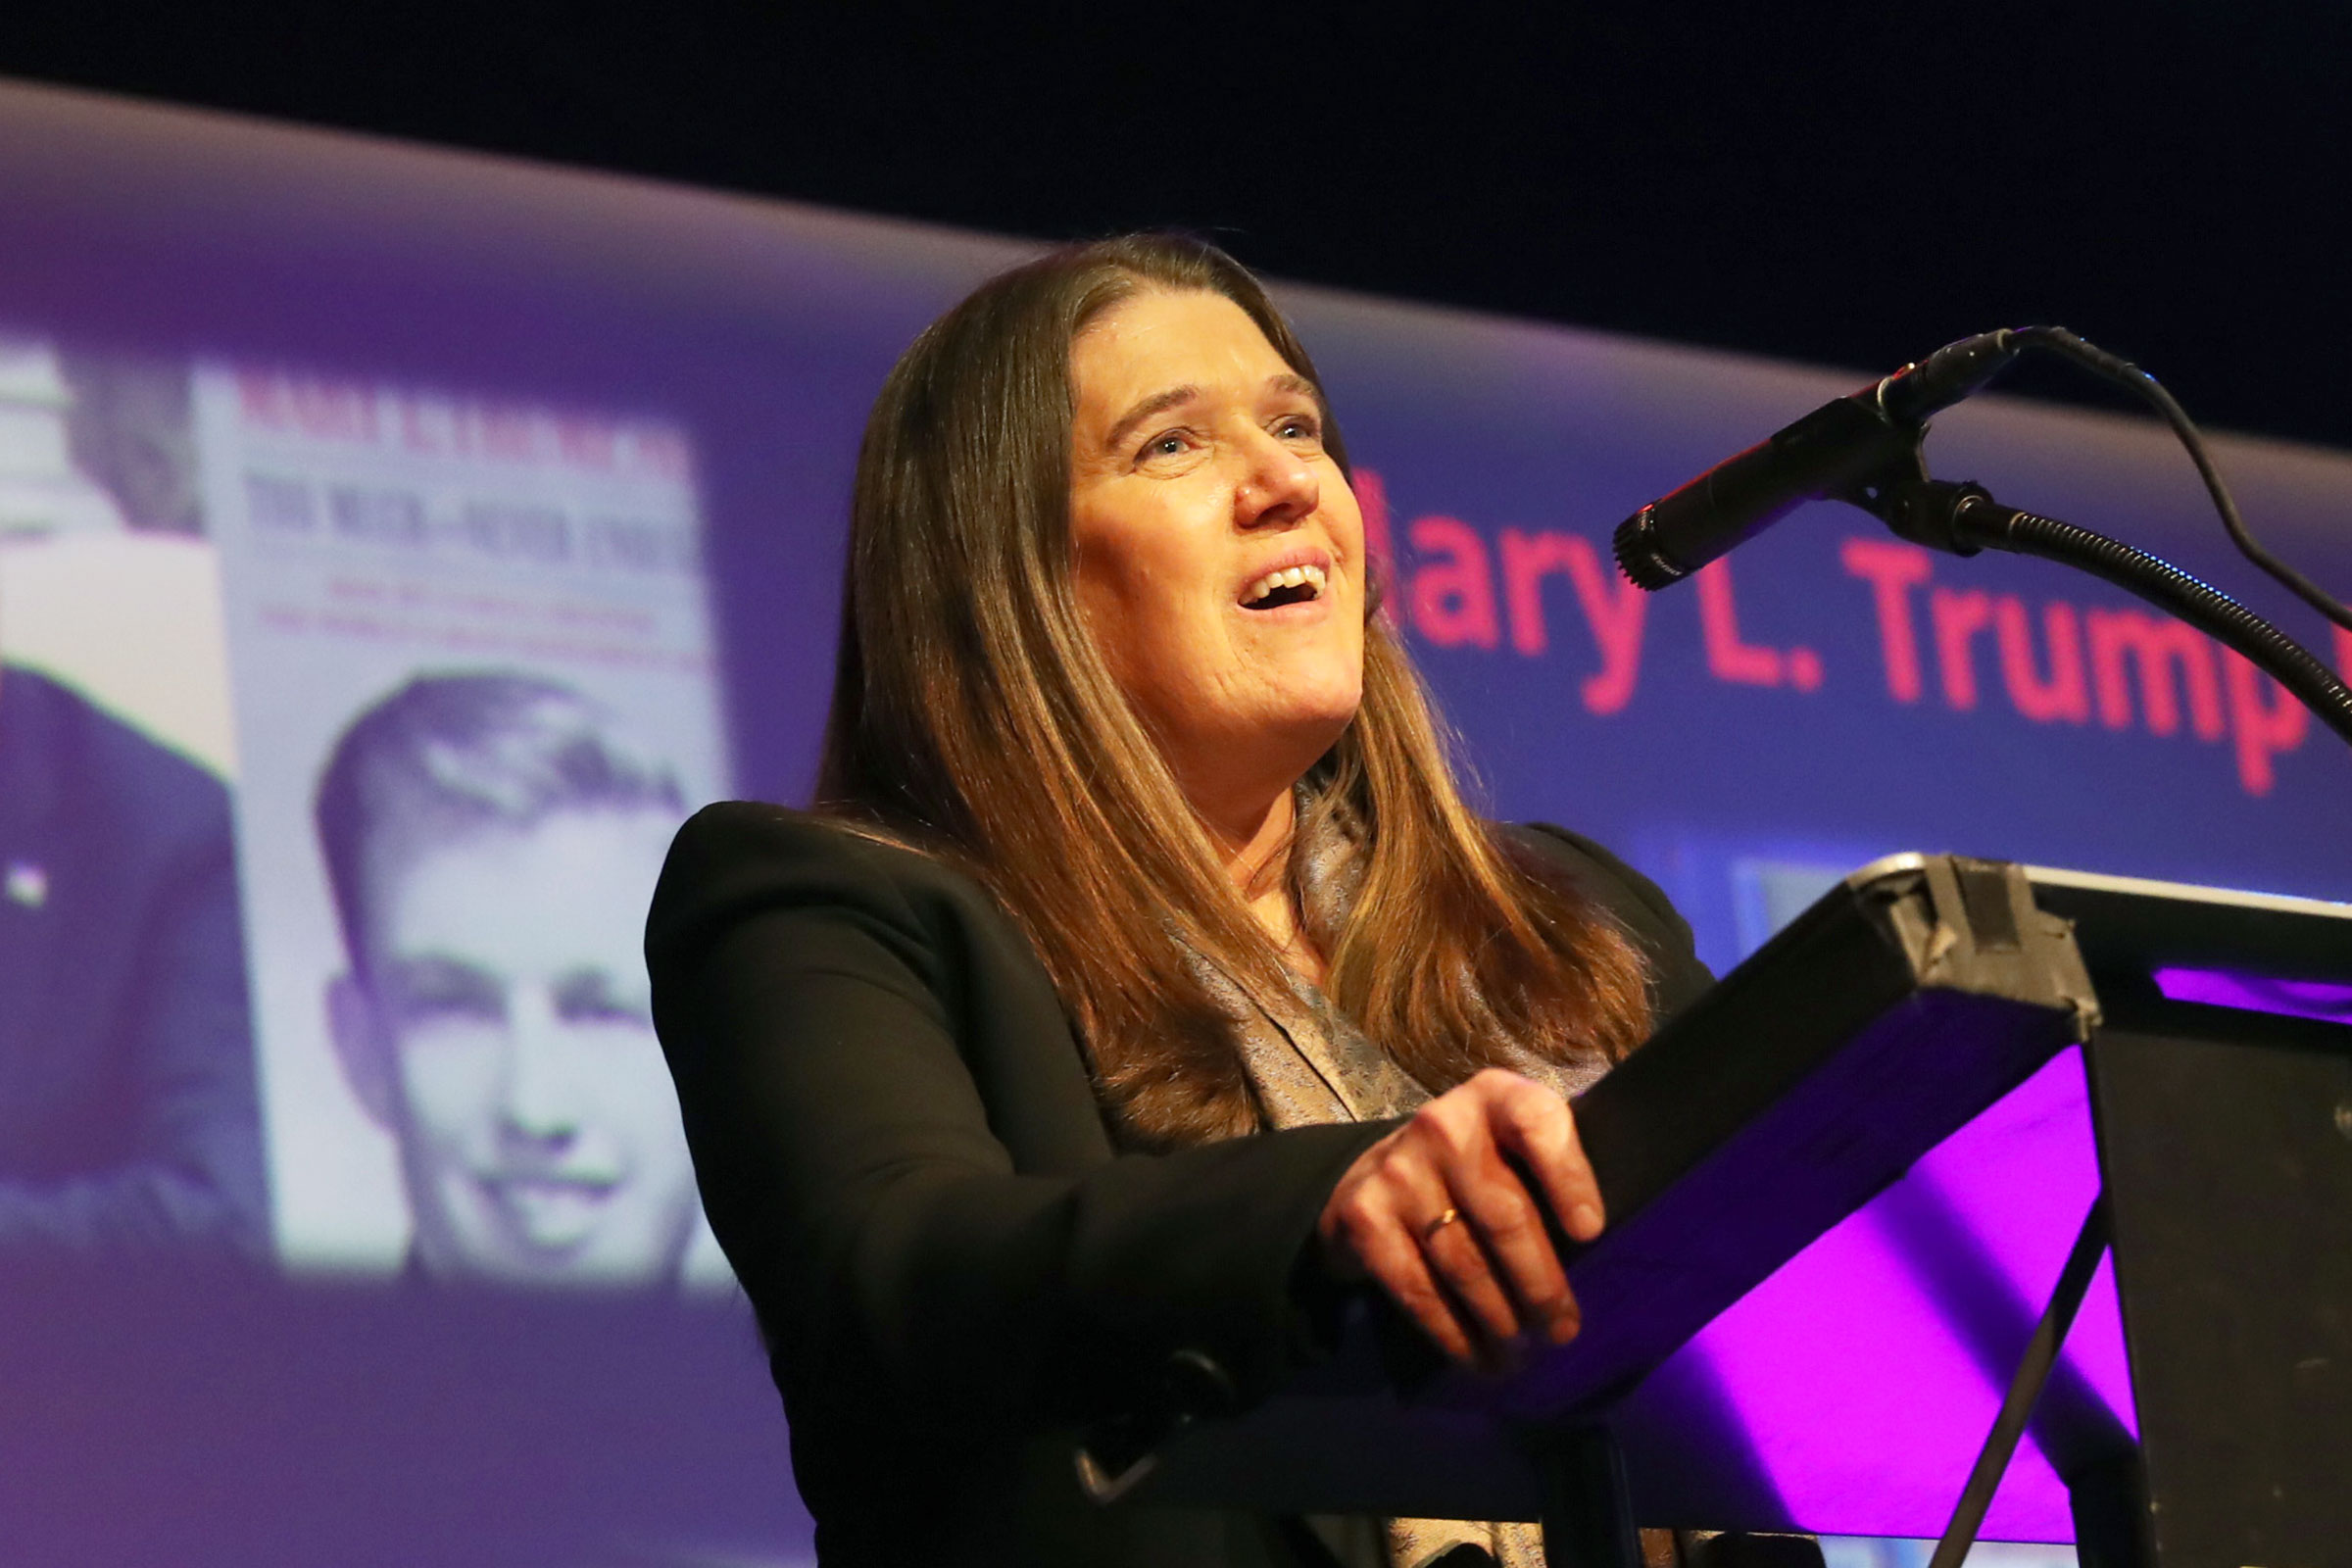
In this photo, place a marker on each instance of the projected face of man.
(505, 1011)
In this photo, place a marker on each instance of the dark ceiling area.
(1851, 185)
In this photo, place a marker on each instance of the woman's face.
(1219, 551)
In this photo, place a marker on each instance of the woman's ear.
(364, 1049)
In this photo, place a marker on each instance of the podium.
(1840, 1188)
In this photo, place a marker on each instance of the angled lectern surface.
(1840, 1189)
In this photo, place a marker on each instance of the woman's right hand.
(1438, 1214)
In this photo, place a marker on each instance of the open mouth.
(1292, 585)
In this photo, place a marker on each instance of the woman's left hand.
(1440, 1215)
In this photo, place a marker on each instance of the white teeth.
(1313, 577)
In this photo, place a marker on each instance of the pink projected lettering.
(2160, 647)
(2265, 720)
(2146, 672)
(2063, 697)
(1892, 570)
(1743, 664)
(1526, 558)
(1614, 608)
(1958, 617)
(421, 425)
(1453, 597)
(2054, 661)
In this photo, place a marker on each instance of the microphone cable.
(2115, 368)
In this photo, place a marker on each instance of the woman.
(1142, 982)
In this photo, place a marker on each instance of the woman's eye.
(1298, 427)
(1168, 444)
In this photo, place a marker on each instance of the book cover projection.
(474, 696)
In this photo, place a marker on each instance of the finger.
(1519, 1247)
(1459, 1260)
(1539, 1130)
(1392, 1253)
(1449, 1145)
(1356, 1205)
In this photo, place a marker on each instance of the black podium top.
(1839, 1189)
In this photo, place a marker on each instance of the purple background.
(181, 1416)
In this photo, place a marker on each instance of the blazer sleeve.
(813, 1010)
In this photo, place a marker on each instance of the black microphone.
(1831, 452)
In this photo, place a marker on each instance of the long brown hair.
(973, 716)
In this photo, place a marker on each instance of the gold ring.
(1431, 1229)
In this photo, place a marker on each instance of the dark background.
(1840, 183)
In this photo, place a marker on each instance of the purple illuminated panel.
(1867, 1370)
(2253, 993)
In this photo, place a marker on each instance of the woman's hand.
(1440, 1215)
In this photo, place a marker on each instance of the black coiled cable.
(1981, 519)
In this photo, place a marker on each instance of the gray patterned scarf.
(1308, 1063)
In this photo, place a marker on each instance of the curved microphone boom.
(1837, 449)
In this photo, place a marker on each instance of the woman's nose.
(1278, 487)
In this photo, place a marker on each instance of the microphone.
(1831, 452)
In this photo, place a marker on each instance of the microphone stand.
(1963, 519)
(1893, 484)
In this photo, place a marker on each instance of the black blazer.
(958, 1271)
